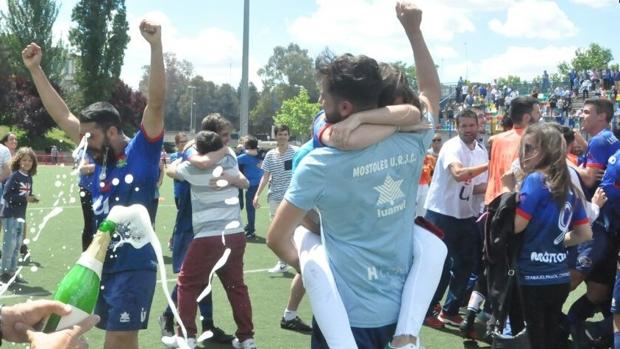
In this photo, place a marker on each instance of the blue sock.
(617, 340)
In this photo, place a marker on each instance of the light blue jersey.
(366, 200)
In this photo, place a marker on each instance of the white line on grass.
(41, 294)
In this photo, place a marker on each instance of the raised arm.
(428, 80)
(153, 118)
(53, 103)
(368, 127)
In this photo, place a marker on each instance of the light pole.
(245, 96)
(191, 111)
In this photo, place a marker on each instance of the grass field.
(59, 247)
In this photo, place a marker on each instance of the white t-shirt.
(446, 195)
(5, 155)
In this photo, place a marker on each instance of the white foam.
(221, 183)
(115, 181)
(220, 263)
(217, 171)
(129, 178)
(53, 213)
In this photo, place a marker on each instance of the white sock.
(329, 311)
(429, 254)
(289, 314)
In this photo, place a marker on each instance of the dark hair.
(568, 133)
(466, 113)
(506, 122)
(19, 155)
(103, 114)
(602, 105)
(395, 84)
(280, 128)
(215, 122)
(353, 78)
(250, 142)
(5, 138)
(208, 141)
(520, 106)
(178, 136)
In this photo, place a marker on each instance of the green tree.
(291, 66)
(510, 80)
(409, 71)
(100, 37)
(178, 94)
(594, 57)
(298, 113)
(29, 21)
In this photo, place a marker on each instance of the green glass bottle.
(80, 286)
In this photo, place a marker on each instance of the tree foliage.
(288, 70)
(510, 80)
(29, 21)
(23, 107)
(298, 113)
(130, 105)
(100, 37)
(593, 57)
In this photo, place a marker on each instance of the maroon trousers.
(201, 257)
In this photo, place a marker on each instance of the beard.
(333, 117)
(105, 153)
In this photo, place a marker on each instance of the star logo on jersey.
(124, 317)
(389, 191)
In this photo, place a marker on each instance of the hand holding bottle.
(28, 314)
(70, 338)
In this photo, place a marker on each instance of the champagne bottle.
(80, 286)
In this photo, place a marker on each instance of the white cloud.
(595, 3)
(4, 6)
(525, 62)
(444, 52)
(371, 27)
(215, 53)
(535, 19)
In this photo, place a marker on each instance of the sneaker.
(166, 325)
(453, 320)
(296, 325)
(219, 336)
(23, 250)
(20, 280)
(433, 322)
(436, 309)
(280, 267)
(5, 277)
(179, 342)
(250, 235)
(246, 344)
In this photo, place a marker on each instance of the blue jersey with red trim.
(542, 260)
(600, 148)
(319, 125)
(131, 180)
(611, 185)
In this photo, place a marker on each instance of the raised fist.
(409, 15)
(32, 55)
(150, 31)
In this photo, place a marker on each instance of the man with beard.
(126, 173)
(460, 174)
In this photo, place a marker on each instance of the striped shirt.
(280, 166)
(210, 212)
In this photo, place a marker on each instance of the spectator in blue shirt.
(250, 165)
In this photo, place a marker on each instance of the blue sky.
(477, 39)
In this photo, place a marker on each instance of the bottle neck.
(99, 246)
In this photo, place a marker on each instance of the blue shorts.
(366, 338)
(125, 301)
(594, 258)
